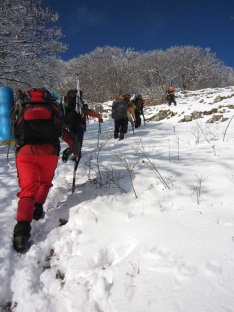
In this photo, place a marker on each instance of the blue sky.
(147, 25)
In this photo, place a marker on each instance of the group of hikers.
(39, 121)
(125, 110)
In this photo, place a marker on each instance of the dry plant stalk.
(197, 188)
(224, 135)
(140, 150)
(129, 167)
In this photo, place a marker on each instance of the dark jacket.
(74, 121)
(170, 95)
(138, 102)
(119, 109)
(50, 149)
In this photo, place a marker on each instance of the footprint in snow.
(162, 260)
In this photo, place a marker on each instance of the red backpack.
(37, 119)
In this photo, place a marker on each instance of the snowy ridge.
(168, 246)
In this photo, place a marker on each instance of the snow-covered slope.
(150, 225)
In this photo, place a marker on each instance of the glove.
(101, 120)
(76, 157)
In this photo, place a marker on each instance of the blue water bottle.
(6, 105)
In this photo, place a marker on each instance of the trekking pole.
(79, 103)
(11, 131)
(76, 163)
(143, 117)
(99, 132)
(8, 147)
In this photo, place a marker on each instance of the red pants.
(35, 174)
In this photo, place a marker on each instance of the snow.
(164, 242)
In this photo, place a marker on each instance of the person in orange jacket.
(170, 96)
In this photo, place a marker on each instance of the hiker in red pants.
(37, 128)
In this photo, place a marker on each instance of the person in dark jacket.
(76, 122)
(36, 161)
(120, 116)
(170, 96)
(138, 103)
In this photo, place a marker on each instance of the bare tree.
(29, 45)
(104, 73)
(195, 67)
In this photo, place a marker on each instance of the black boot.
(38, 212)
(21, 236)
(66, 153)
(121, 136)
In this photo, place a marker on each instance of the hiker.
(138, 102)
(131, 110)
(37, 129)
(170, 96)
(76, 121)
(119, 114)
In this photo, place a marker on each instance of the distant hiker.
(138, 102)
(76, 120)
(119, 114)
(37, 128)
(170, 96)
